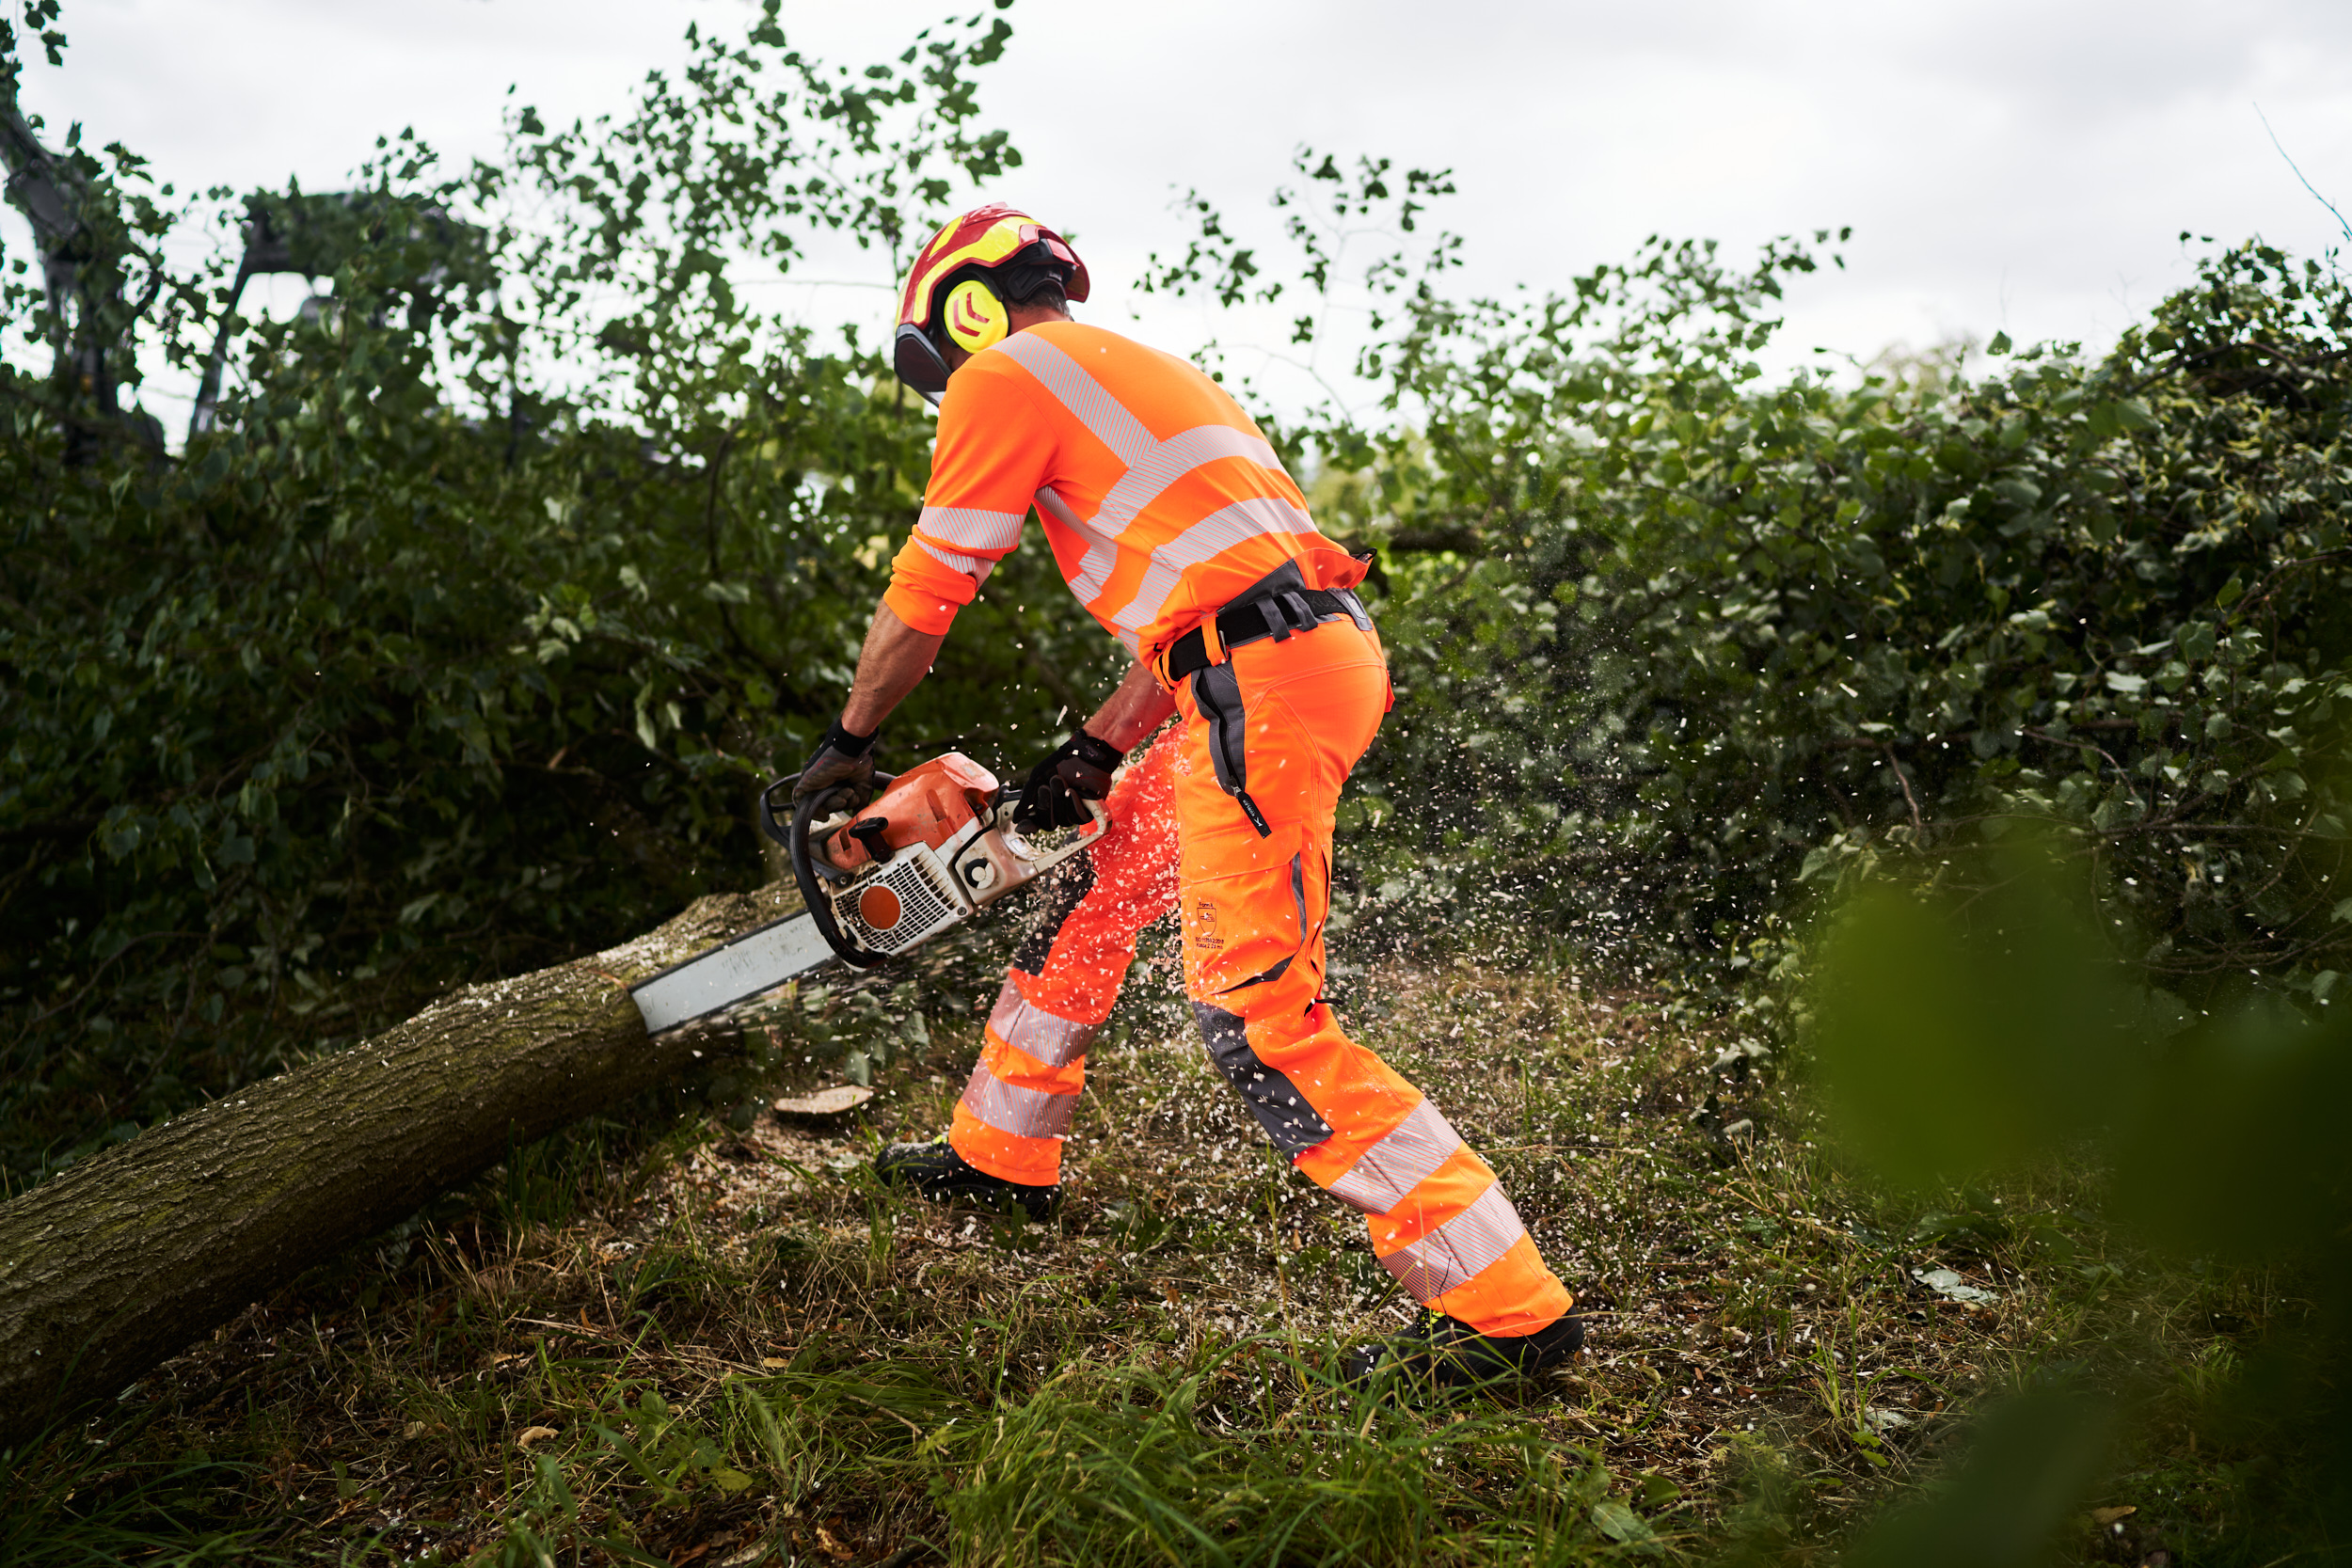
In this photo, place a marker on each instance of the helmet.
(963, 280)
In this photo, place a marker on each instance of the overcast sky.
(2023, 166)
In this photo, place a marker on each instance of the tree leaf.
(1619, 1523)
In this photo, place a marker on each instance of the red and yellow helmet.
(970, 311)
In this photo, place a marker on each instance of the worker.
(1178, 528)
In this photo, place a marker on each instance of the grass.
(702, 1335)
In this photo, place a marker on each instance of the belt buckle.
(1212, 641)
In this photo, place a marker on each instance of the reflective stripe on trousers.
(1016, 1109)
(1081, 937)
(1027, 1083)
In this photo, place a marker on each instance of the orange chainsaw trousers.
(1277, 724)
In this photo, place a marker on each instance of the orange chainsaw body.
(927, 805)
(934, 848)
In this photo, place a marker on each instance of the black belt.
(1277, 615)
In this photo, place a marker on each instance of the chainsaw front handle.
(806, 871)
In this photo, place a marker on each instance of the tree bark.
(110, 1267)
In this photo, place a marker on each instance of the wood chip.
(825, 1103)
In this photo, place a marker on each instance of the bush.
(1677, 648)
(463, 640)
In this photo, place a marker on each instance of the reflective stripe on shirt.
(1212, 536)
(972, 527)
(1162, 499)
(1103, 415)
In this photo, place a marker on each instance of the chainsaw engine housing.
(933, 847)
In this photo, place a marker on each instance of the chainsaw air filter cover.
(905, 902)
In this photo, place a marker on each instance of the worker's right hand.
(842, 758)
(1057, 790)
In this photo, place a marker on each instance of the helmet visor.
(919, 363)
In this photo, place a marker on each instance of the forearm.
(893, 662)
(1134, 710)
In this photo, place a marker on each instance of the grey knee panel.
(1291, 1123)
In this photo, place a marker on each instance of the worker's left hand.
(842, 758)
(1058, 789)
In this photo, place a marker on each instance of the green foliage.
(74, 1498)
(1119, 1470)
(2031, 1461)
(1954, 1045)
(1675, 645)
(1127, 1463)
(2021, 1036)
(463, 640)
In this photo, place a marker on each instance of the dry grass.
(714, 1340)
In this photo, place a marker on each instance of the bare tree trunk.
(111, 1266)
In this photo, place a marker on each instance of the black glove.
(840, 759)
(1080, 770)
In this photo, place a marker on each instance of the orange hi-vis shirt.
(1160, 498)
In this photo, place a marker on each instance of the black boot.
(934, 1170)
(1451, 1356)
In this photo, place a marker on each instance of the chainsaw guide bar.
(736, 971)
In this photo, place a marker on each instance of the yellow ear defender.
(976, 318)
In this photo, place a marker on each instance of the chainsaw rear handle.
(806, 871)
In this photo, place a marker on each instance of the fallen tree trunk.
(111, 1266)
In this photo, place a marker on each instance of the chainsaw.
(935, 847)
